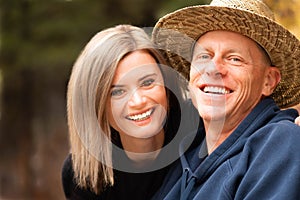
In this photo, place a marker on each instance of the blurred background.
(39, 42)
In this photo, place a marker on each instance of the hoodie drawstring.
(186, 186)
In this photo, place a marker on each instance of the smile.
(215, 90)
(141, 116)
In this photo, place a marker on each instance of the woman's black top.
(139, 186)
(127, 185)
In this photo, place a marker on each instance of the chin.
(212, 114)
(144, 132)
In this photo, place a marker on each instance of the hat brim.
(177, 32)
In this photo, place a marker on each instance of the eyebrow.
(140, 79)
(114, 86)
(146, 76)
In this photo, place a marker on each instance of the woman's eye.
(117, 92)
(147, 82)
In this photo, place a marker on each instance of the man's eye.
(147, 82)
(237, 61)
(117, 92)
(203, 57)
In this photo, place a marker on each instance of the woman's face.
(137, 104)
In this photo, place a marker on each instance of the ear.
(272, 79)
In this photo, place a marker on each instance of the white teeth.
(141, 116)
(216, 90)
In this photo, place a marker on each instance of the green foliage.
(172, 5)
(45, 34)
(51, 34)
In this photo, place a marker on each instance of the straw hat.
(176, 33)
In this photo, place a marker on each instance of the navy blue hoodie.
(259, 160)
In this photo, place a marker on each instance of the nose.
(137, 99)
(215, 68)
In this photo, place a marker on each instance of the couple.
(129, 119)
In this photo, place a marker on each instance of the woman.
(123, 107)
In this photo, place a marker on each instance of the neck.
(143, 150)
(217, 131)
(215, 134)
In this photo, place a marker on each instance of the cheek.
(161, 96)
(251, 87)
(193, 94)
(112, 112)
(258, 82)
(198, 69)
(193, 75)
(109, 113)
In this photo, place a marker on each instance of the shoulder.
(67, 169)
(277, 123)
(277, 138)
(282, 125)
(67, 175)
(271, 129)
(286, 132)
(67, 164)
(70, 187)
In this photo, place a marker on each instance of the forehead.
(222, 39)
(136, 64)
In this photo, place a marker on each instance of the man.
(242, 68)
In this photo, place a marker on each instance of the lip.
(140, 116)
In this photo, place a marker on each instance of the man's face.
(229, 75)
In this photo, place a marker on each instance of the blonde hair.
(88, 88)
